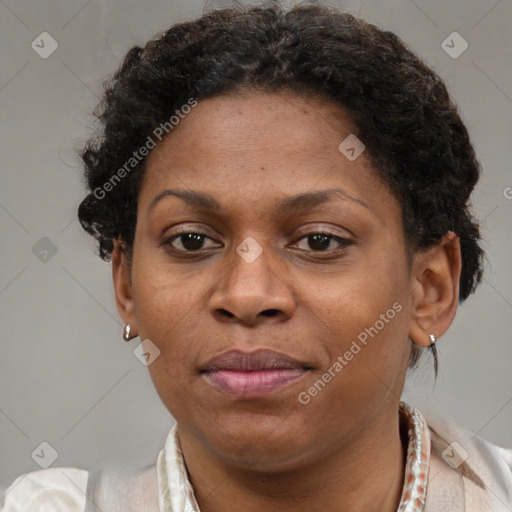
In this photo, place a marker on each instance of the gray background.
(66, 376)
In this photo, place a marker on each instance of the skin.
(274, 453)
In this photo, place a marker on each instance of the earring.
(432, 339)
(126, 332)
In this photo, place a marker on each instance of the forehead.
(255, 147)
(256, 121)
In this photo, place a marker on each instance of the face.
(302, 254)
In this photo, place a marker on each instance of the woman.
(284, 199)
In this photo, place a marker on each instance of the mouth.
(253, 374)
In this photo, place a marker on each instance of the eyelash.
(343, 242)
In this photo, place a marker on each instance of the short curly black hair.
(412, 130)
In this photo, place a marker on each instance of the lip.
(251, 374)
(260, 359)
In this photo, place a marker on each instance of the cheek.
(163, 297)
(367, 356)
(367, 335)
(364, 314)
(164, 310)
(171, 311)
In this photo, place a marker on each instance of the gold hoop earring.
(126, 333)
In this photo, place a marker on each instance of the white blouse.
(447, 469)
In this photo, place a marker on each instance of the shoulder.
(456, 442)
(57, 489)
(466, 465)
(65, 489)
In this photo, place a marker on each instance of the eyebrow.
(304, 201)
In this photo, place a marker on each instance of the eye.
(321, 241)
(193, 241)
(190, 241)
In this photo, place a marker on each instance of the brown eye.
(321, 242)
(190, 241)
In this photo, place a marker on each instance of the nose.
(251, 292)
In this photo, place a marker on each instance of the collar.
(418, 460)
(176, 494)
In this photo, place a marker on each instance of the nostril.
(270, 312)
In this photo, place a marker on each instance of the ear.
(122, 285)
(435, 289)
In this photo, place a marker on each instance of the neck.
(365, 475)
